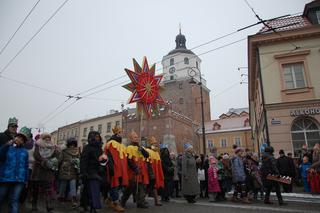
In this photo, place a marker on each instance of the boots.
(109, 203)
(245, 200)
(116, 207)
(156, 198)
(267, 200)
(74, 202)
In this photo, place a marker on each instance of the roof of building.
(180, 45)
(228, 123)
(286, 23)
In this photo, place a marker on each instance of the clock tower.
(183, 96)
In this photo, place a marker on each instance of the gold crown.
(152, 140)
(116, 129)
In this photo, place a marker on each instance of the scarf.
(46, 148)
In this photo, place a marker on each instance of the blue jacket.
(238, 172)
(303, 169)
(13, 164)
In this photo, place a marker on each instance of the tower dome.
(180, 45)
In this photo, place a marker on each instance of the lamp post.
(192, 72)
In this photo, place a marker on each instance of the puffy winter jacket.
(13, 164)
(238, 172)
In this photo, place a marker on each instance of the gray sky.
(90, 42)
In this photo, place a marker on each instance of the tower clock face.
(172, 70)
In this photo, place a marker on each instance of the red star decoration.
(145, 87)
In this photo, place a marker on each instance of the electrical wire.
(28, 42)
(54, 111)
(21, 24)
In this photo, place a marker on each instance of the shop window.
(304, 131)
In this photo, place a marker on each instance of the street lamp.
(192, 72)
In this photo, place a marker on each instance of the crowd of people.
(108, 173)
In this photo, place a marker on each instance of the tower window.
(197, 64)
(171, 61)
(180, 85)
(186, 60)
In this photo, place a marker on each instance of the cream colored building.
(103, 124)
(54, 137)
(284, 76)
(80, 130)
(231, 128)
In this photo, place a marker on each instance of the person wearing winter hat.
(10, 132)
(138, 172)
(155, 173)
(269, 167)
(118, 170)
(168, 172)
(14, 169)
(190, 184)
(45, 166)
(239, 176)
(69, 161)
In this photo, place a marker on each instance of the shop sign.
(311, 111)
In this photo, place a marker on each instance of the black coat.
(167, 165)
(89, 162)
(268, 166)
(286, 166)
(5, 137)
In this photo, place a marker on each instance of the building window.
(186, 60)
(100, 128)
(180, 100)
(294, 76)
(171, 77)
(304, 131)
(223, 143)
(64, 136)
(210, 144)
(85, 132)
(237, 141)
(171, 61)
(91, 128)
(180, 85)
(109, 127)
(72, 133)
(117, 123)
(76, 132)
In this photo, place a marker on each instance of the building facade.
(231, 128)
(284, 76)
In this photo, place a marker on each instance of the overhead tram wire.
(21, 24)
(268, 26)
(28, 42)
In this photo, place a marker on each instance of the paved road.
(203, 206)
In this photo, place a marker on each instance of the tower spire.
(180, 28)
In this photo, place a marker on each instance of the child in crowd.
(304, 168)
(201, 177)
(213, 179)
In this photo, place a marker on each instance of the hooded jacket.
(13, 164)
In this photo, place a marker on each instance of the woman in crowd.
(89, 171)
(43, 174)
(68, 170)
(190, 184)
(168, 172)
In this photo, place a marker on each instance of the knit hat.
(238, 149)
(187, 146)
(225, 157)
(25, 133)
(212, 160)
(281, 152)
(12, 121)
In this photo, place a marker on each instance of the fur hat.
(116, 129)
(45, 135)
